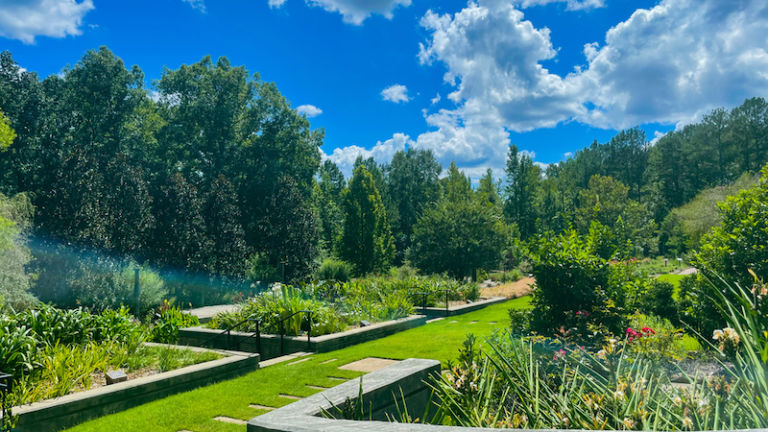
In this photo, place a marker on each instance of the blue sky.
(548, 75)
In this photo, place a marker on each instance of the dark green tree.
(366, 240)
(523, 180)
(413, 183)
(458, 238)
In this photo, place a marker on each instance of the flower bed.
(52, 352)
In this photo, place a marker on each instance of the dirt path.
(509, 290)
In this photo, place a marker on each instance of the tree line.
(212, 175)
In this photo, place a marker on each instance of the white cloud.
(668, 64)
(672, 62)
(382, 152)
(570, 4)
(197, 4)
(356, 11)
(436, 99)
(309, 110)
(352, 11)
(395, 93)
(26, 19)
(568, 155)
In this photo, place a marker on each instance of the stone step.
(230, 420)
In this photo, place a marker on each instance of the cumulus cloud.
(667, 64)
(382, 152)
(569, 4)
(680, 58)
(353, 11)
(309, 110)
(396, 93)
(26, 19)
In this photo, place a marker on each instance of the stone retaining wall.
(382, 390)
(271, 344)
(435, 312)
(61, 413)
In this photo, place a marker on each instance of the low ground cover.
(195, 410)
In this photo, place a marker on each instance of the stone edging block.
(66, 411)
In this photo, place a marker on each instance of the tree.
(181, 241)
(15, 221)
(523, 178)
(488, 189)
(413, 183)
(222, 216)
(7, 134)
(456, 186)
(328, 193)
(458, 237)
(738, 244)
(366, 240)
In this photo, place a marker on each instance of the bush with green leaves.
(657, 298)
(105, 284)
(334, 270)
(15, 220)
(280, 312)
(171, 319)
(577, 290)
(736, 251)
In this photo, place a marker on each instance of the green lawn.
(195, 410)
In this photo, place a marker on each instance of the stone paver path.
(369, 364)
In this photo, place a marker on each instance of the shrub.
(334, 270)
(575, 287)
(658, 299)
(103, 285)
(171, 319)
(278, 312)
(506, 276)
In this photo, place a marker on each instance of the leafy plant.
(166, 329)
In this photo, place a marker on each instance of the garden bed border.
(72, 409)
(270, 344)
(436, 312)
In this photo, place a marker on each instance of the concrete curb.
(66, 411)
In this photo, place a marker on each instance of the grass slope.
(195, 410)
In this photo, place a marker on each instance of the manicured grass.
(195, 410)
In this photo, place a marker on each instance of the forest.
(213, 185)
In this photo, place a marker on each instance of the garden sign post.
(136, 290)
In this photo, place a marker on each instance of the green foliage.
(740, 242)
(15, 219)
(576, 288)
(458, 238)
(412, 183)
(7, 134)
(279, 312)
(334, 270)
(367, 241)
(109, 285)
(657, 298)
(523, 181)
(684, 227)
(171, 319)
